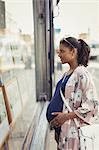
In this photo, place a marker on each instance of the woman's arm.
(61, 118)
(89, 105)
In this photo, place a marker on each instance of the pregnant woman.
(79, 91)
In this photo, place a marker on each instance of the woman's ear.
(74, 51)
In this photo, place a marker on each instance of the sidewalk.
(52, 142)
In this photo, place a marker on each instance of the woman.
(79, 92)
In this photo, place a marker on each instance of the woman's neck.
(72, 68)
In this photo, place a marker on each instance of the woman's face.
(66, 54)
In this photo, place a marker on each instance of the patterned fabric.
(81, 95)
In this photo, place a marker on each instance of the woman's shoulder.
(84, 74)
(81, 70)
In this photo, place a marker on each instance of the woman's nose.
(57, 51)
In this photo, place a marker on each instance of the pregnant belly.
(55, 105)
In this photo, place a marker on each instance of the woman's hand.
(61, 118)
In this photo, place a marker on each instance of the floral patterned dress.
(80, 93)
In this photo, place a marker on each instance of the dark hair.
(83, 50)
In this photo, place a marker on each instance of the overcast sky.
(75, 16)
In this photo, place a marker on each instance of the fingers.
(56, 113)
(55, 122)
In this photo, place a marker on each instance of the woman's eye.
(62, 51)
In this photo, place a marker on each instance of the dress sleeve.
(89, 100)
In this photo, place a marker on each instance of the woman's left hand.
(59, 119)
